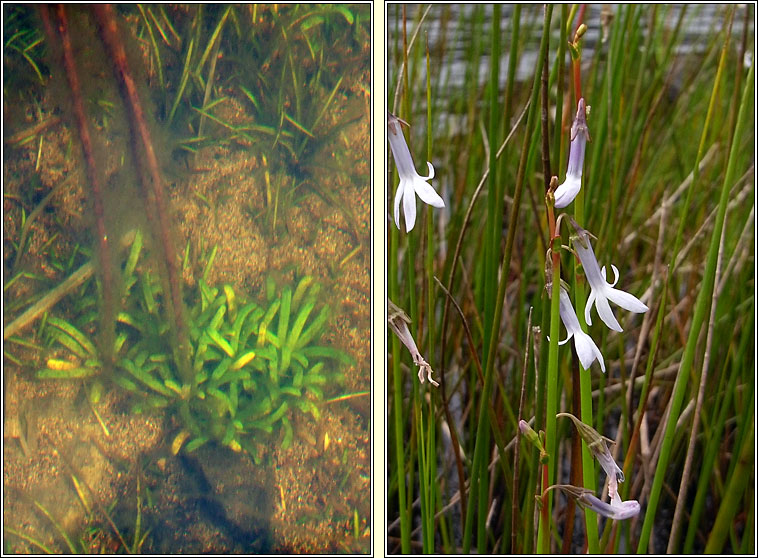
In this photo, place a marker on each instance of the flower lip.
(586, 349)
(602, 291)
(411, 183)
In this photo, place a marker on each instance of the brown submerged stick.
(108, 324)
(152, 183)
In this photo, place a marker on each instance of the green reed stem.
(701, 308)
(735, 490)
(495, 196)
(481, 447)
(700, 150)
(429, 472)
(397, 394)
(543, 534)
(585, 387)
(715, 439)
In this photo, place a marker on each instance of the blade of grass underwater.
(58, 527)
(30, 540)
(153, 42)
(299, 323)
(212, 40)
(284, 314)
(182, 82)
(74, 334)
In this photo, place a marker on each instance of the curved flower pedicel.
(411, 183)
(567, 191)
(602, 291)
(586, 349)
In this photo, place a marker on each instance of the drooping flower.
(398, 322)
(586, 349)
(567, 191)
(602, 291)
(411, 183)
(616, 509)
(598, 446)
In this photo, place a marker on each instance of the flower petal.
(566, 192)
(609, 465)
(583, 344)
(587, 351)
(615, 510)
(409, 206)
(431, 172)
(398, 197)
(588, 307)
(615, 275)
(599, 357)
(626, 301)
(605, 312)
(425, 191)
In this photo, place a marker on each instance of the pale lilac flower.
(616, 509)
(567, 191)
(586, 349)
(398, 322)
(602, 291)
(611, 468)
(411, 183)
(598, 445)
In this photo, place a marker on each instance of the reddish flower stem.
(107, 325)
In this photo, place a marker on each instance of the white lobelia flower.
(598, 445)
(616, 509)
(567, 191)
(411, 183)
(602, 291)
(586, 349)
(398, 322)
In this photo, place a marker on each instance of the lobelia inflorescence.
(600, 294)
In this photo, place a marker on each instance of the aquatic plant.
(254, 364)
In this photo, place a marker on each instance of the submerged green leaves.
(254, 366)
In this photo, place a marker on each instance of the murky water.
(238, 422)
